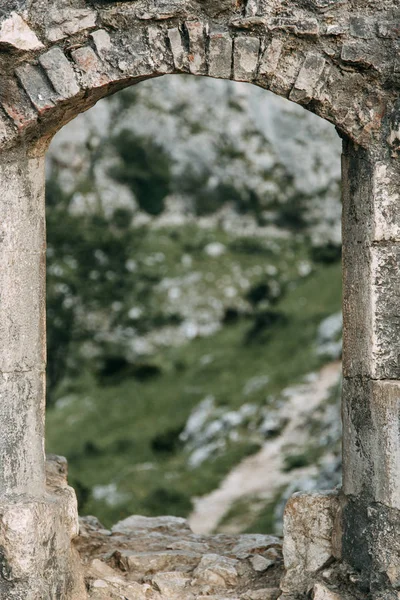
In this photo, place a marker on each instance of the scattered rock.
(320, 592)
(170, 583)
(216, 571)
(146, 563)
(262, 594)
(260, 564)
(161, 559)
(254, 543)
(137, 523)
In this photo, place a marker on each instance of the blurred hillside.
(194, 296)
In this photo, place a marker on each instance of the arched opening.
(205, 325)
(209, 300)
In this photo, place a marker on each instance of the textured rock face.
(35, 538)
(309, 530)
(161, 559)
(338, 59)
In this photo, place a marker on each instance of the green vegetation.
(145, 168)
(124, 374)
(125, 431)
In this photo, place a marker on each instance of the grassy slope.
(107, 432)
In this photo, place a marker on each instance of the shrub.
(327, 254)
(145, 168)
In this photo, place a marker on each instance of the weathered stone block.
(252, 8)
(364, 54)
(16, 33)
(153, 562)
(245, 58)
(135, 60)
(135, 523)
(371, 440)
(21, 444)
(37, 87)
(197, 32)
(220, 54)
(60, 72)
(362, 27)
(321, 592)
(270, 58)
(357, 425)
(22, 311)
(16, 103)
(369, 216)
(102, 41)
(6, 128)
(216, 571)
(386, 201)
(306, 82)
(309, 523)
(371, 304)
(388, 29)
(294, 25)
(179, 52)
(93, 71)
(377, 559)
(385, 299)
(67, 22)
(325, 4)
(283, 80)
(22, 223)
(385, 416)
(35, 538)
(159, 50)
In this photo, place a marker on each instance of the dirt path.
(262, 473)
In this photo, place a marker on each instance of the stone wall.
(338, 58)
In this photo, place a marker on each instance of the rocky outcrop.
(161, 559)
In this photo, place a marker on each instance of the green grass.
(109, 433)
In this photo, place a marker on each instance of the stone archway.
(335, 59)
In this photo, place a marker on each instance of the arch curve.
(316, 53)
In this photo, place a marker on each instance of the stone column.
(22, 325)
(37, 521)
(371, 368)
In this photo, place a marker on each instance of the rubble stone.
(134, 561)
(67, 22)
(321, 592)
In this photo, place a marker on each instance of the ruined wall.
(338, 58)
